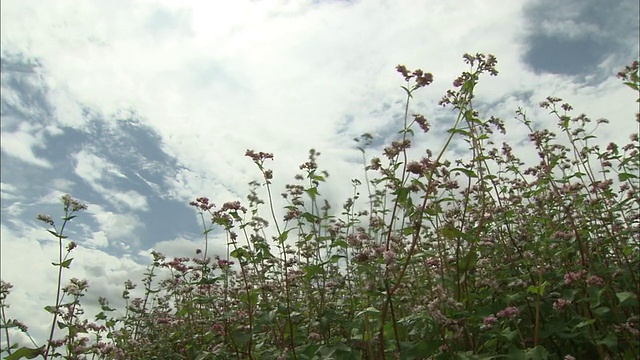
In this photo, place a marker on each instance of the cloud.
(30, 271)
(8, 191)
(21, 144)
(115, 226)
(139, 107)
(96, 170)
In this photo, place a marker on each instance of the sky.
(138, 107)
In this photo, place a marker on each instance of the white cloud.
(99, 240)
(90, 167)
(115, 226)
(8, 191)
(30, 271)
(61, 184)
(95, 170)
(213, 79)
(569, 28)
(20, 144)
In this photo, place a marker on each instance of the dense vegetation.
(476, 258)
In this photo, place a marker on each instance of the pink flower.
(509, 312)
(571, 277)
(595, 280)
(560, 304)
(488, 322)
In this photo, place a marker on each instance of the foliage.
(478, 258)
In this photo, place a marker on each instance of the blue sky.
(138, 107)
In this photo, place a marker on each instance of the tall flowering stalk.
(71, 206)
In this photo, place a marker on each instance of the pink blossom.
(509, 312)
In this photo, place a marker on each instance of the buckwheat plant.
(478, 257)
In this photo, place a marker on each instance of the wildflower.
(509, 312)
(403, 70)
(422, 79)
(76, 287)
(18, 324)
(415, 167)
(459, 81)
(292, 214)
(396, 147)
(560, 304)
(259, 157)
(72, 245)
(488, 322)
(376, 164)
(422, 122)
(389, 256)
(433, 262)
(562, 235)
(571, 277)
(45, 218)
(362, 256)
(72, 205)
(224, 263)
(233, 205)
(202, 203)
(5, 289)
(56, 343)
(595, 280)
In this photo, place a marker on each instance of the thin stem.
(59, 284)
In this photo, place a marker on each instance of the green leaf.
(408, 230)
(310, 217)
(312, 270)
(203, 355)
(632, 85)
(450, 232)
(283, 237)
(240, 253)
(538, 290)
(610, 341)
(627, 298)
(467, 172)
(584, 323)
(340, 243)
(312, 192)
(459, 131)
(626, 176)
(241, 337)
(402, 194)
(53, 233)
(537, 353)
(419, 350)
(25, 352)
(602, 311)
(65, 264)
(369, 310)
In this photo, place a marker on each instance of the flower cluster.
(202, 203)
(422, 79)
(508, 312)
